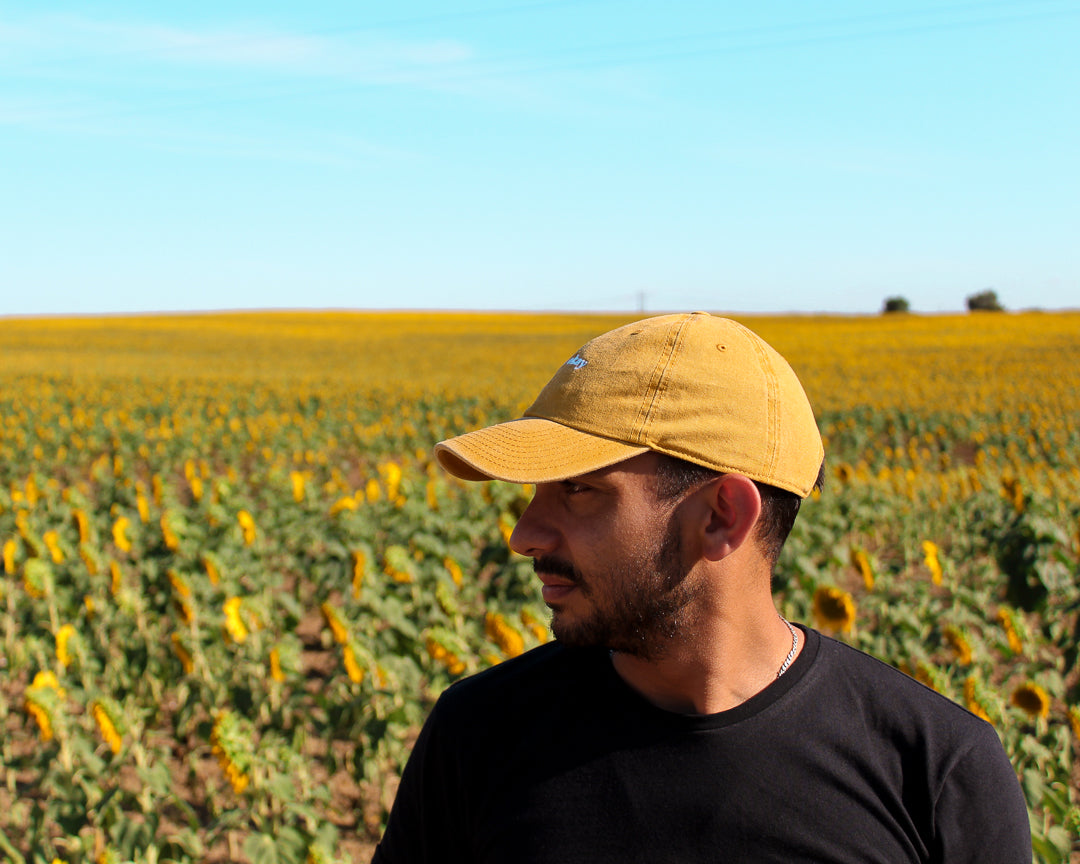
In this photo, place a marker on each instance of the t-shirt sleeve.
(425, 823)
(981, 814)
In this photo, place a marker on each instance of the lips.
(555, 588)
(559, 578)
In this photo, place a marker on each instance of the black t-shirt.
(551, 757)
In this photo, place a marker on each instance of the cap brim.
(530, 450)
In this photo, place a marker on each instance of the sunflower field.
(233, 581)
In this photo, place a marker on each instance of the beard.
(635, 604)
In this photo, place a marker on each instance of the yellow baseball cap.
(693, 386)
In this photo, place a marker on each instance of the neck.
(722, 666)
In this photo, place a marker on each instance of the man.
(677, 717)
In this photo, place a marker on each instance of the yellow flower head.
(1074, 721)
(168, 536)
(83, 524)
(226, 743)
(119, 533)
(440, 653)
(502, 634)
(1032, 699)
(141, 503)
(454, 570)
(1013, 493)
(834, 609)
(276, 671)
(63, 637)
(212, 571)
(359, 567)
(352, 666)
(41, 716)
(234, 624)
(107, 727)
(346, 503)
(396, 564)
(184, 609)
(1005, 618)
(930, 557)
(9, 557)
(52, 543)
(391, 472)
(247, 526)
(297, 479)
(957, 641)
(537, 627)
(334, 622)
(46, 679)
(117, 580)
(42, 700)
(861, 562)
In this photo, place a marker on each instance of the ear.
(734, 505)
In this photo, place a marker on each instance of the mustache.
(556, 567)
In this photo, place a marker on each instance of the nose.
(534, 535)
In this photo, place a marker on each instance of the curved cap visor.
(530, 450)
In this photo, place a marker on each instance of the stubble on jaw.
(637, 605)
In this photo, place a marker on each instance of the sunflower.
(503, 634)
(247, 526)
(861, 562)
(9, 557)
(352, 665)
(1032, 699)
(182, 654)
(1005, 618)
(334, 622)
(119, 533)
(958, 642)
(297, 480)
(276, 671)
(107, 727)
(971, 699)
(234, 623)
(930, 557)
(1074, 721)
(63, 638)
(834, 609)
(359, 568)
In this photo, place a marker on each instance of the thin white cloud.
(74, 40)
(204, 47)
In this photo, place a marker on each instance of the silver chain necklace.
(787, 660)
(794, 646)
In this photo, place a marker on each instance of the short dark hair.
(779, 507)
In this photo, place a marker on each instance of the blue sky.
(739, 157)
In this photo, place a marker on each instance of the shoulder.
(885, 693)
(950, 765)
(543, 673)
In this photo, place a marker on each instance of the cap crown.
(697, 387)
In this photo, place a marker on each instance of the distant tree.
(984, 301)
(896, 304)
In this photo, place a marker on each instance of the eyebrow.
(596, 476)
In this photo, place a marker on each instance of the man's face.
(610, 557)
